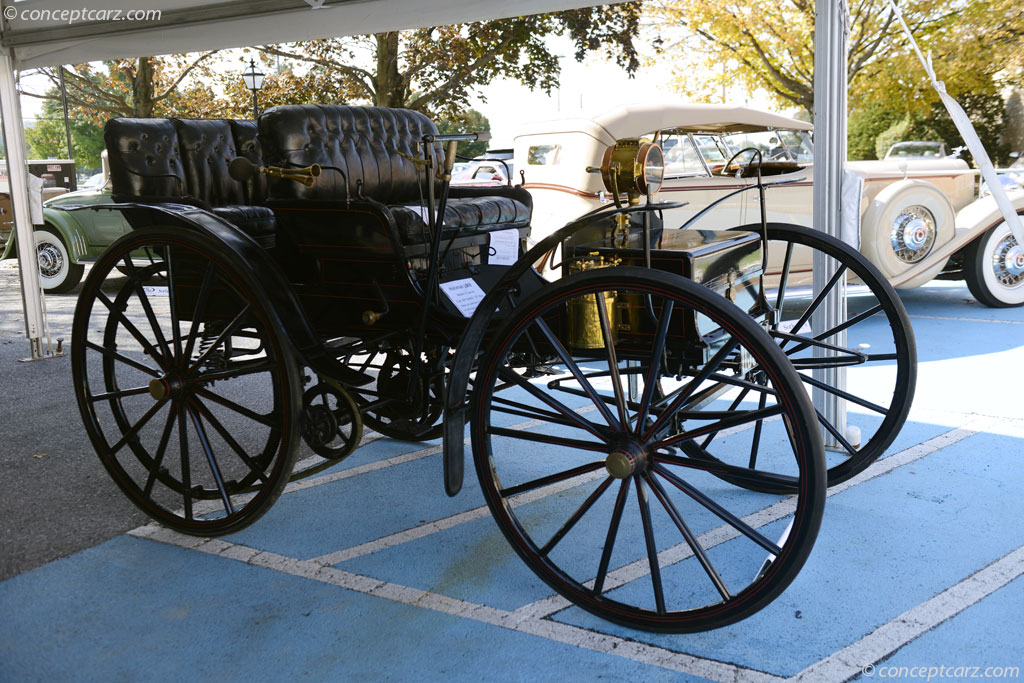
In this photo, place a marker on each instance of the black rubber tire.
(992, 273)
(188, 392)
(897, 341)
(555, 458)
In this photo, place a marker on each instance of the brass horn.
(241, 169)
(307, 176)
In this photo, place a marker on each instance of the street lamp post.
(253, 79)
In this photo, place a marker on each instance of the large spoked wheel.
(878, 354)
(586, 476)
(994, 268)
(188, 391)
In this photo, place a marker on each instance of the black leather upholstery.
(207, 147)
(248, 145)
(468, 214)
(371, 145)
(187, 159)
(144, 160)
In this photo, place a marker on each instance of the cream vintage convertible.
(919, 218)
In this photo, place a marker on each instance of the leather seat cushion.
(207, 147)
(463, 214)
(255, 221)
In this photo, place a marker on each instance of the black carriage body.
(728, 263)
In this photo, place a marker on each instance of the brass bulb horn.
(241, 169)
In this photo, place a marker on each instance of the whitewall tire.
(906, 223)
(994, 268)
(57, 272)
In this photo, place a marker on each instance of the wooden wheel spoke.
(787, 262)
(226, 332)
(576, 516)
(552, 479)
(689, 537)
(130, 327)
(267, 419)
(173, 304)
(651, 380)
(737, 420)
(710, 464)
(844, 394)
(161, 450)
(202, 301)
(147, 308)
(613, 362)
(211, 460)
(609, 541)
(509, 375)
(710, 367)
(723, 514)
(134, 430)
(549, 439)
(119, 394)
(652, 548)
(111, 353)
(817, 300)
(229, 440)
(577, 373)
(732, 407)
(186, 466)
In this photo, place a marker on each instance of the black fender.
(468, 347)
(264, 275)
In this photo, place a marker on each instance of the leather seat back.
(207, 146)
(248, 145)
(144, 159)
(372, 146)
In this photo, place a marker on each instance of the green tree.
(48, 138)
(865, 125)
(436, 70)
(469, 121)
(770, 46)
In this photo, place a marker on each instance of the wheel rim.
(188, 393)
(51, 259)
(879, 353)
(1008, 262)
(913, 234)
(578, 488)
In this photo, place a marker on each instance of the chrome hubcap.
(913, 234)
(50, 259)
(1008, 262)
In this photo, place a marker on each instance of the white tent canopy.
(42, 33)
(47, 32)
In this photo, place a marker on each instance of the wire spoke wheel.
(594, 489)
(872, 344)
(189, 393)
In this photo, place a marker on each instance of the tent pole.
(14, 134)
(830, 91)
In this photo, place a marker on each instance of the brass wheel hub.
(626, 460)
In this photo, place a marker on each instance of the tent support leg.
(14, 139)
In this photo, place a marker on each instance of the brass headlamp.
(633, 166)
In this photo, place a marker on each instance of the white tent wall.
(42, 33)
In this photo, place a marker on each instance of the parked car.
(919, 218)
(917, 149)
(495, 167)
(68, 239)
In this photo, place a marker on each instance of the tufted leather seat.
(372, 150)
(187, 160)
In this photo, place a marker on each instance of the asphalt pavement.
(368, 572)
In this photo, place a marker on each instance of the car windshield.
(928, 150)
(775, 145)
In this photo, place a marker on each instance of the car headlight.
(633, 166)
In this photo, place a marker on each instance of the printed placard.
(465, 294)
(504, 247)
(155, 291)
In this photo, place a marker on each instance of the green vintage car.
(68, 239)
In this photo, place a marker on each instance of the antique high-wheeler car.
(643, 429)
(919, 217)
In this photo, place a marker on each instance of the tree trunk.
(389, 90)
(142, 88)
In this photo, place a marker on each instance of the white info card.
(465, 294)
